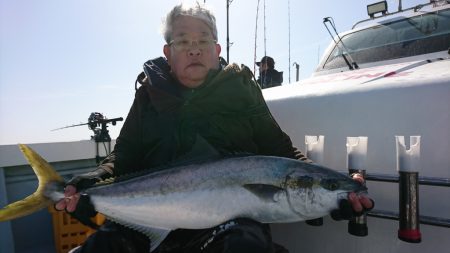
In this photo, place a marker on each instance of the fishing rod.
(98, 124)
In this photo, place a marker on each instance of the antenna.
(289, 40)
(98, 124)
(256, 36)
(228, 29)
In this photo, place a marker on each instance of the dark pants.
(236, 236)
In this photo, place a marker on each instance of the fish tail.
(36, 201)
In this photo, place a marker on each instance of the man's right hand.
(80, 182)
(79, 205)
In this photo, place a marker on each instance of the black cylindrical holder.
(409, 230)
(358, 225)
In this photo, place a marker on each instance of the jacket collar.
(165, 92)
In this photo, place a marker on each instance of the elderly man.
(188, 95)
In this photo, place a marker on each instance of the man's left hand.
(355, 205)
(361, 202)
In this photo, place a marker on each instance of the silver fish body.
(263, 188)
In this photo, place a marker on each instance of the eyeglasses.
(183, 44)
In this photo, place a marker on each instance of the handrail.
(427, 220)
(415, 8)
(433, 181)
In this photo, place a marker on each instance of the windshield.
(418, 35)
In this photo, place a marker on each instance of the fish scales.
(203, 195)
(192, 196)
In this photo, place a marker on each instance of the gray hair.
(197, 11)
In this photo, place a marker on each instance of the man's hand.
(354, 205)
(70, 200)
(361, 202)
(82, 181)
(79, 205)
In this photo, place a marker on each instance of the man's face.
(262, 67)
(190, 62)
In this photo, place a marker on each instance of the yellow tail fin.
(37, 200)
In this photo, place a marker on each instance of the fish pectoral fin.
(265, 192)
(156, 235)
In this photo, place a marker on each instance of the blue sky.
(60, 60)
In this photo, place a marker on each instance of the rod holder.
(358, 225)
(314, 147)
(314, 151)
(408, 164)
(356, 161)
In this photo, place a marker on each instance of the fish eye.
(330, 184)
(334, 186)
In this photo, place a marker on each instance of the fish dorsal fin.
(156, 235)
(201, 150)
(265, 192)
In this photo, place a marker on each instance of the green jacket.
(227, 110)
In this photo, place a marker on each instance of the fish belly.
(195, 209)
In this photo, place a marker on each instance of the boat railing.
(429, 181)
(414, 9)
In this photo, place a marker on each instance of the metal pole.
(431, 181)
(297, 66)
(356, 161)
(228, 32)
(427, 220)
(289, 32)
(409, 229)
(358, 225)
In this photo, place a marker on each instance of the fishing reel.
(95, 119)
(98, 123)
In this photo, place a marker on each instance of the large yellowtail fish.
(201, 194)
